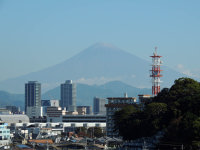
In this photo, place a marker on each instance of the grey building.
(99, 105)
(68, 95)
(32, 95)
(49, 103)
(13, 109)
(88, 109)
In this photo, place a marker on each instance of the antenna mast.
(155, 72)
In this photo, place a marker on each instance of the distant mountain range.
(98, 64)
(7, 99)
(85, 93)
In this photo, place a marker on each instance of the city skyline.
(36, 35)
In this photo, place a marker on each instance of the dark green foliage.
(175, 111)
(123, 121)
(132, 123)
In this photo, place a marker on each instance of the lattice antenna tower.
(156, 73)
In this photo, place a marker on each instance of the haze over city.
(39, 34)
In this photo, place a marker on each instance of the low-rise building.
(34, 111)
(18, 118)
(54, 114)
(4, 134)
(84, 118)
(82, 110)
(144, 98)
(4, 111)
(48, 103)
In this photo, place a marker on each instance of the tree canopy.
(175, 111)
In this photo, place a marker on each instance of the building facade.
(115, 104)
(4, 134)
(48, 103)
(54, 114)
(99, 105)
(13, 109)
(68, 95)
(32, 94)
(88, 109)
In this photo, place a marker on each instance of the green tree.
(175, 110)
(123, 122)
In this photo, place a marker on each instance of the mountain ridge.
(85, 93)
(97, 64)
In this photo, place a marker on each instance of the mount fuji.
(98, 64)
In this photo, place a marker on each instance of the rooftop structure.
(14, 118)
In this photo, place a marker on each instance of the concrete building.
(144, 98)
(84, 110)
(34, 111)
(115, 104)
(32, 95)
(18, 118)
(81, 110)
(54, 114)
(84, 118)
(49, 103)
(99, 105)
(4, 111)
(13, 109)
(68, 96)
(4, 134)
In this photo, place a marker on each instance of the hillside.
(11, 99)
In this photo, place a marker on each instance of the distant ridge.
(85, 93)
(98, 64)
(7, 99)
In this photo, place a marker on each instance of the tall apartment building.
(32, 96)
(115, 104)
(99, 106)
(68, 95)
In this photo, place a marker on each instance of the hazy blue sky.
(40, 33)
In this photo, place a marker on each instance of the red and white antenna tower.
(155, 72)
